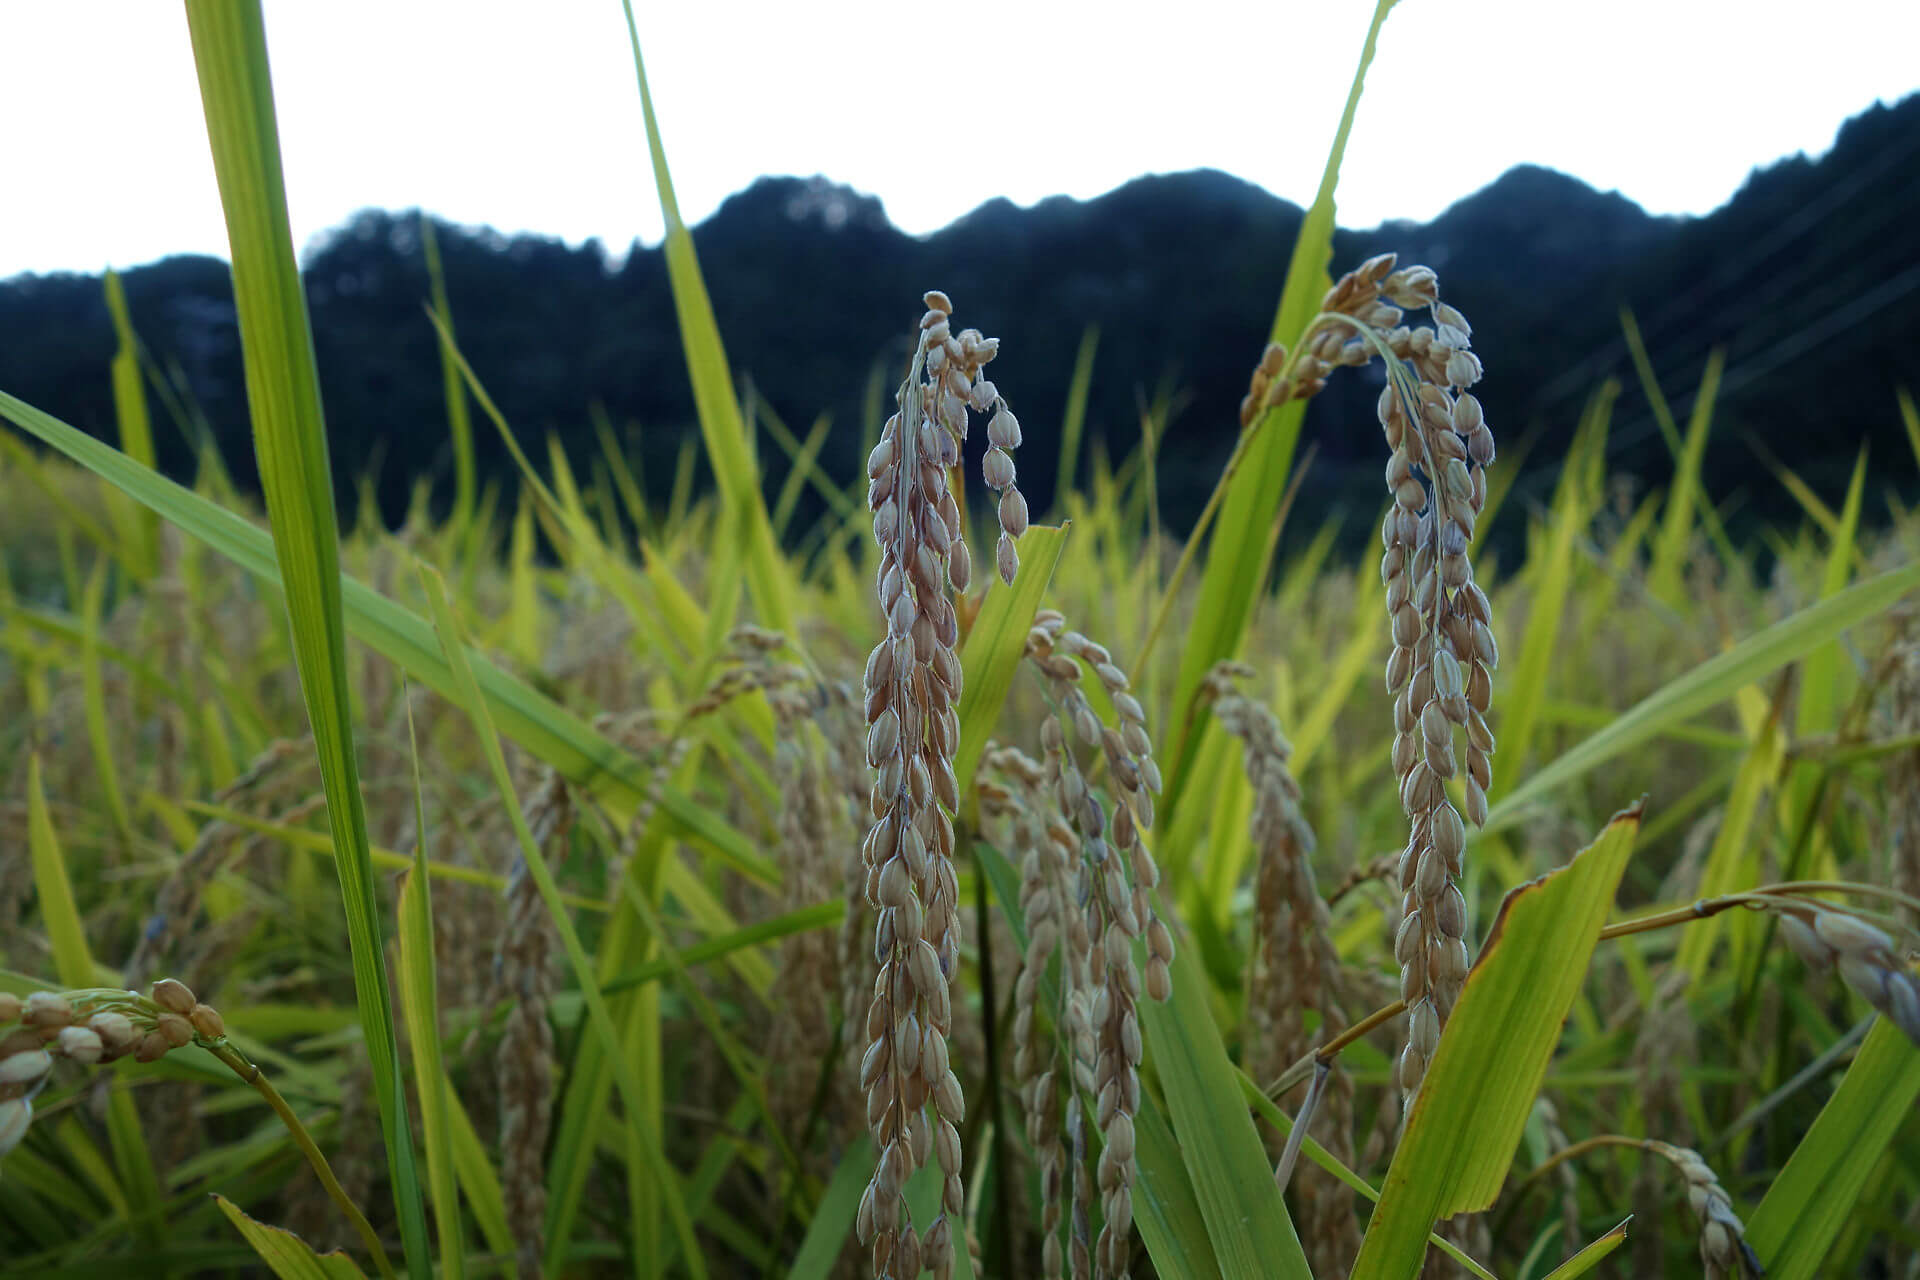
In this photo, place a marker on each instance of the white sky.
(525, 116)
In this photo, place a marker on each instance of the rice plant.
(722, 898)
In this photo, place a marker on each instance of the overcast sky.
(525, 116)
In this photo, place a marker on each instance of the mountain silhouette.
(1800, 277)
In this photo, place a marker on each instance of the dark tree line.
(1804, 277)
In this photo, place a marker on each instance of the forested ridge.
(1803, 277)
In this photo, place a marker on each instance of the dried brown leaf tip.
(87, 1027)
(912, 686)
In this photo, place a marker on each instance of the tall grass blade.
(1664, 578)
(100, 735)
(1226, 1164)
(459, 416)
(1736, 859)
(1910, 419)
(1073, 421)
(1818, 1191)
(290, 441)
(478, 1181)
(1233, 580)
(1165, 1207)
(420, 1002)
(140, 529)
(832, 1220)
(1821, 688)
(728, 447)
(1540, 640)
(1591, 1256)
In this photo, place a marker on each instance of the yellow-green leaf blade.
(289, 431)
(832, 1220)
(287, 1255)
(1466, 1120)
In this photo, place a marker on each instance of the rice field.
(572, 882)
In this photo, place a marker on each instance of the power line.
(1741, 270)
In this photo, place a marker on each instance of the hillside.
(1799, 276)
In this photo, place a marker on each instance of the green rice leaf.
(1540, 641)
(459, 417)
(1676, 526)
(821, 915)
(59, 916)
(1818, 1191)
(100, 735)
(1590, 1257)
(420, 1003)
(1465, 1121)
(832, 1220)
(1226, 1164)
(1910, 419)
(478, 1182)
(1736, 859)
(138, 528)
(729, 449)
(290, 442)
(1073, 420)
(1165, 1207)
(992, 650)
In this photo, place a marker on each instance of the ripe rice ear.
(526, 971)
(1292, 967)
(912, 684)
